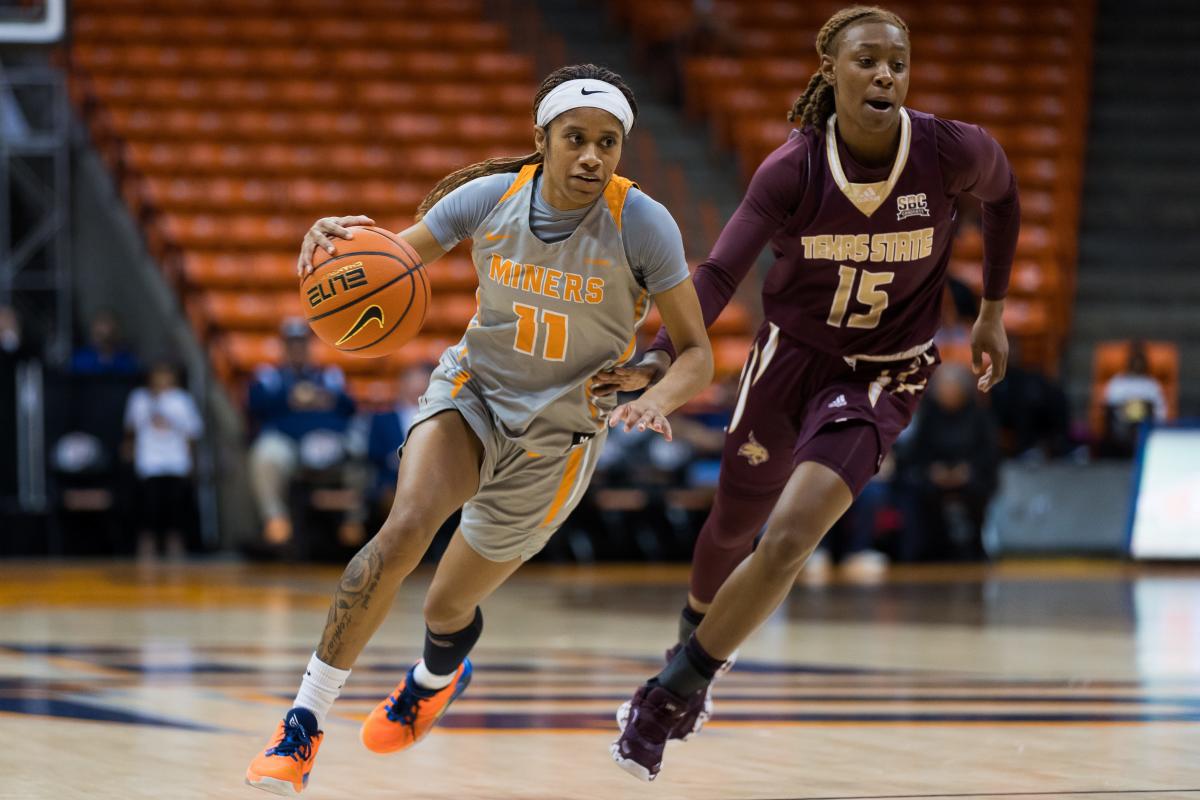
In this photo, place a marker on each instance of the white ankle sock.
(320, 687)
(427, 680)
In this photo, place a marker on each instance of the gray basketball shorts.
(523, 497)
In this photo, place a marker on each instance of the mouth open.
(880, 105)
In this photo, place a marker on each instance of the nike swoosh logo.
(594, 91)
(491, 237)
(371, 314)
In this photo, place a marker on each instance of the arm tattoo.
(354, 592)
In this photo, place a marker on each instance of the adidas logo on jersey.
(911, 205)
(838, 402)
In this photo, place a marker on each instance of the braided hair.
(816, 104)
(493, 166)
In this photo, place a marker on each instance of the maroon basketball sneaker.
(654, 713)
(699, 705)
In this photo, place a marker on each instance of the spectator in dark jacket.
(105, 353)
(292, 403)
(1030, 410)
(951, 467)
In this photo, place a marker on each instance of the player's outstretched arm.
(691, 372)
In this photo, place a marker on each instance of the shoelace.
(296, 744)
(404, 708)
(658, 718)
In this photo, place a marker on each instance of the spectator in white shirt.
(1131, 398)
(162, 423)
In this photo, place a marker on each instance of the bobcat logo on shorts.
(754, 452)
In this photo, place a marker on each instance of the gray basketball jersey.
(550, 316)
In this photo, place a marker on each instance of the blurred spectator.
(649, 496)
(13, 352)
(1131, 398)
(386, 432)
(104, 354)
(162, 423)
(85, 413)
(1030, 410)
(950, 465)
(13, 347)
(301, 413)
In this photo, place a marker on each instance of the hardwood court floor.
(1050, 680)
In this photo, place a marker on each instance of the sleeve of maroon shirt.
(974, 163)
(773, 195)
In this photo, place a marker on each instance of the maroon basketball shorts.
(799, 404)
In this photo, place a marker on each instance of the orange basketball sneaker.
(409, 713)
(284, 766)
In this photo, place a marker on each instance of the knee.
(403, 540)
(734, 524)
(788, 543)
(271, 449)
(445, 613)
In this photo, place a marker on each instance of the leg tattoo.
(354, 593)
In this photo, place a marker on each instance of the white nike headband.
(585, 93)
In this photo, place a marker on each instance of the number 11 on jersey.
(870, 294)
(554, 348)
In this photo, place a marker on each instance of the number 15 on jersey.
(870, 293)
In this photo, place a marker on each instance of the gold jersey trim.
(867, 197)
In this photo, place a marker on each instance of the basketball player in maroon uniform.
(859, 208)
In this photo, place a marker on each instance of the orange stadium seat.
(734, 320)
(729, 354)
(238, 311)
(453, 274)
(246, 351)
(372, 393)
(1029, 278)
(224, 270)
(450, 314)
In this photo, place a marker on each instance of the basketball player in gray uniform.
(569, 256)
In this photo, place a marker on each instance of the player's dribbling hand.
(641, 415)
(319, 236)
(988, 336)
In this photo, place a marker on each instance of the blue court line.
(71, 709)
(505, 721)
(897, 697)
(924, 678)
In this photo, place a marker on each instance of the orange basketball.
(370, 298)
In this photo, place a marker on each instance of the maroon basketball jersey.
(859, 267)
